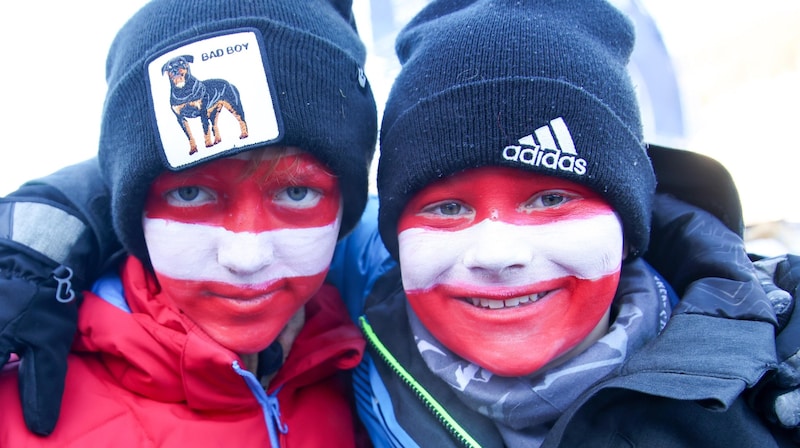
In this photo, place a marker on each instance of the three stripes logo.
(550, 146)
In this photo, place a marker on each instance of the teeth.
(509, 303)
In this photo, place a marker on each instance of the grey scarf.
(524, 408)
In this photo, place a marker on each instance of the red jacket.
(150, 378)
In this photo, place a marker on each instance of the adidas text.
(546, 157)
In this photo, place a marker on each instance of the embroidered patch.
(213, 96)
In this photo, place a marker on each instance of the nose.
(496, 250)
(244, 253)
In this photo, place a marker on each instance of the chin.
(521, 369)
(249, 349)
(505, 363)
(246, 345)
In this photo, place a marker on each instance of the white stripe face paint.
(198, 252)
(542, 253)
(509, 269)
(240, 244)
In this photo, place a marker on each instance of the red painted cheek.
(516, 341)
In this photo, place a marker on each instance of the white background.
(738, 64)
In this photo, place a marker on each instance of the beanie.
(539, 85)
(192, 81)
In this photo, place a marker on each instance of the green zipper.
(437, 409)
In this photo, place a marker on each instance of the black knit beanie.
(237, 75)
(539, 85)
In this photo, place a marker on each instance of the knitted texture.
(538, 85)
(321, 99)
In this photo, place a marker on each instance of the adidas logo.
(550, 146)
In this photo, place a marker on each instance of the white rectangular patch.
(222, 80)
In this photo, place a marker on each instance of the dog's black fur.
(192, 98)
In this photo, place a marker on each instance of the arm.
(685, 244)
(706, 262)
(55, 238)
(705, 183)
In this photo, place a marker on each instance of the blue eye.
(189, 196)
(188, 193)
(550, 199)
(450, 208)
(298, 197)
(297, 193)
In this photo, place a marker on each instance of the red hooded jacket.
(151, 378)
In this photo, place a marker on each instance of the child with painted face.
(240, 244)
(516, 194)
(229, 235)
(512, 271)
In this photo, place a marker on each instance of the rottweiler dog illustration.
(192, 98)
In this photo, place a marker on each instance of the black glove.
(778, 396)
(55, 238)
(38, 318)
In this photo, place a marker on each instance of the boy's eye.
(297, 193)
(190, 196)
(188, 193)
(450, 208)
(447, 208)
(549, 199)
(298, 197)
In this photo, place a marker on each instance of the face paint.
(510, 269)
(241, 243)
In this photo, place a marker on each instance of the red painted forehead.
(245, 189)
(500, 193)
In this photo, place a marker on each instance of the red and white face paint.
(241, 243)
(509, 269)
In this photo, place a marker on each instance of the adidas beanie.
(281, 72)
(539, 85)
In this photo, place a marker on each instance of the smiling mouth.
(507, 303)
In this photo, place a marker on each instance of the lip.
(245, 293)
(503, 303)
(501, 292)
(503, 299)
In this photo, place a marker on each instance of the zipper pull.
(64, 293)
